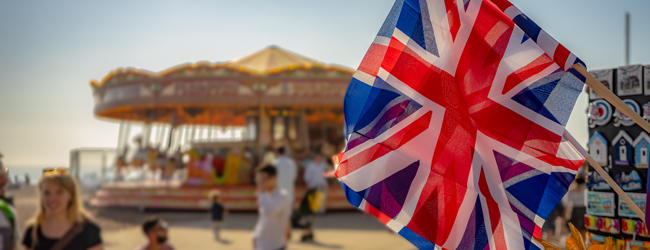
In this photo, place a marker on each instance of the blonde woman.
(61, 222)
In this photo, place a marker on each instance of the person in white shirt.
(287, 172)
(314, 173)
(274, 212)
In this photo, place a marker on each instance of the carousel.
(207, 126)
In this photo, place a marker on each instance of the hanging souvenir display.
(606, 77)
(591, 222)
(599, 203)
(609, 225)
(597, 182)
(623, 149)
(633, 227)
(641, 150)
(622, 119)
(599, 113)
(629, 182)
(629, 80)
(625, 211)
(598, 148)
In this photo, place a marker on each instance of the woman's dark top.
(217, 212)
(87, 238)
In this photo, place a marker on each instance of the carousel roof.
(221, 93)
(271, 59)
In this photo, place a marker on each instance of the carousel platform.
(174, 196)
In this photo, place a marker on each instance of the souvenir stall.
(621, 147)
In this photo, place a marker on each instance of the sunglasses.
(54, 171)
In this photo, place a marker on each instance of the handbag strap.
(69, 235)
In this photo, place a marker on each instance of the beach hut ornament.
(642, 150)
(598, 148)
(599, 113)
(629, 182)
(622, 119)
(623, 149)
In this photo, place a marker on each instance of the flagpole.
(605, 176)
(603, 91)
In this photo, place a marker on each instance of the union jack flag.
(455, 125)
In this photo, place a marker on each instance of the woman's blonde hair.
(75, 211)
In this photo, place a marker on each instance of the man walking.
(274, 211)
(287, 172)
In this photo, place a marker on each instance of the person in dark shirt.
(61, 217)
(217, 211)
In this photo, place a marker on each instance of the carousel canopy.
(271, 59)
(221, 93)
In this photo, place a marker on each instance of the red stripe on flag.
(380, 149)
(533, 68)
(371, 62)
(495, 215)
(392, 54)
(502, 4)
(453, 17)
(437, 208)
(493, 206)
(561, 55)
(538, 232)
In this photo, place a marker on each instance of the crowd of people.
(61, 222)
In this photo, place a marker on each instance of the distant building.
(641, 148)
(623, 149)
(598, 148)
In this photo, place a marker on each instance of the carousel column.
(168, 146)
(186, 138)
(251, 128)
(264, 128)
(303, 127)
(287, 125)
(120, 138)
(146, 130)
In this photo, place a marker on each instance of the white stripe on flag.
(512, 12)
(547, 43)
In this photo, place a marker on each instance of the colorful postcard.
(629, 182)
(637, 245)
(625, 211)
(599, 203)
(606, 77)
(594, 239)
(633, 227)
(629, 80)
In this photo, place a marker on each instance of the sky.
(50, 50)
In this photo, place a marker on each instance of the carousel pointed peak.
(272, 59)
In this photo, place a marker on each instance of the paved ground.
(191, 230)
